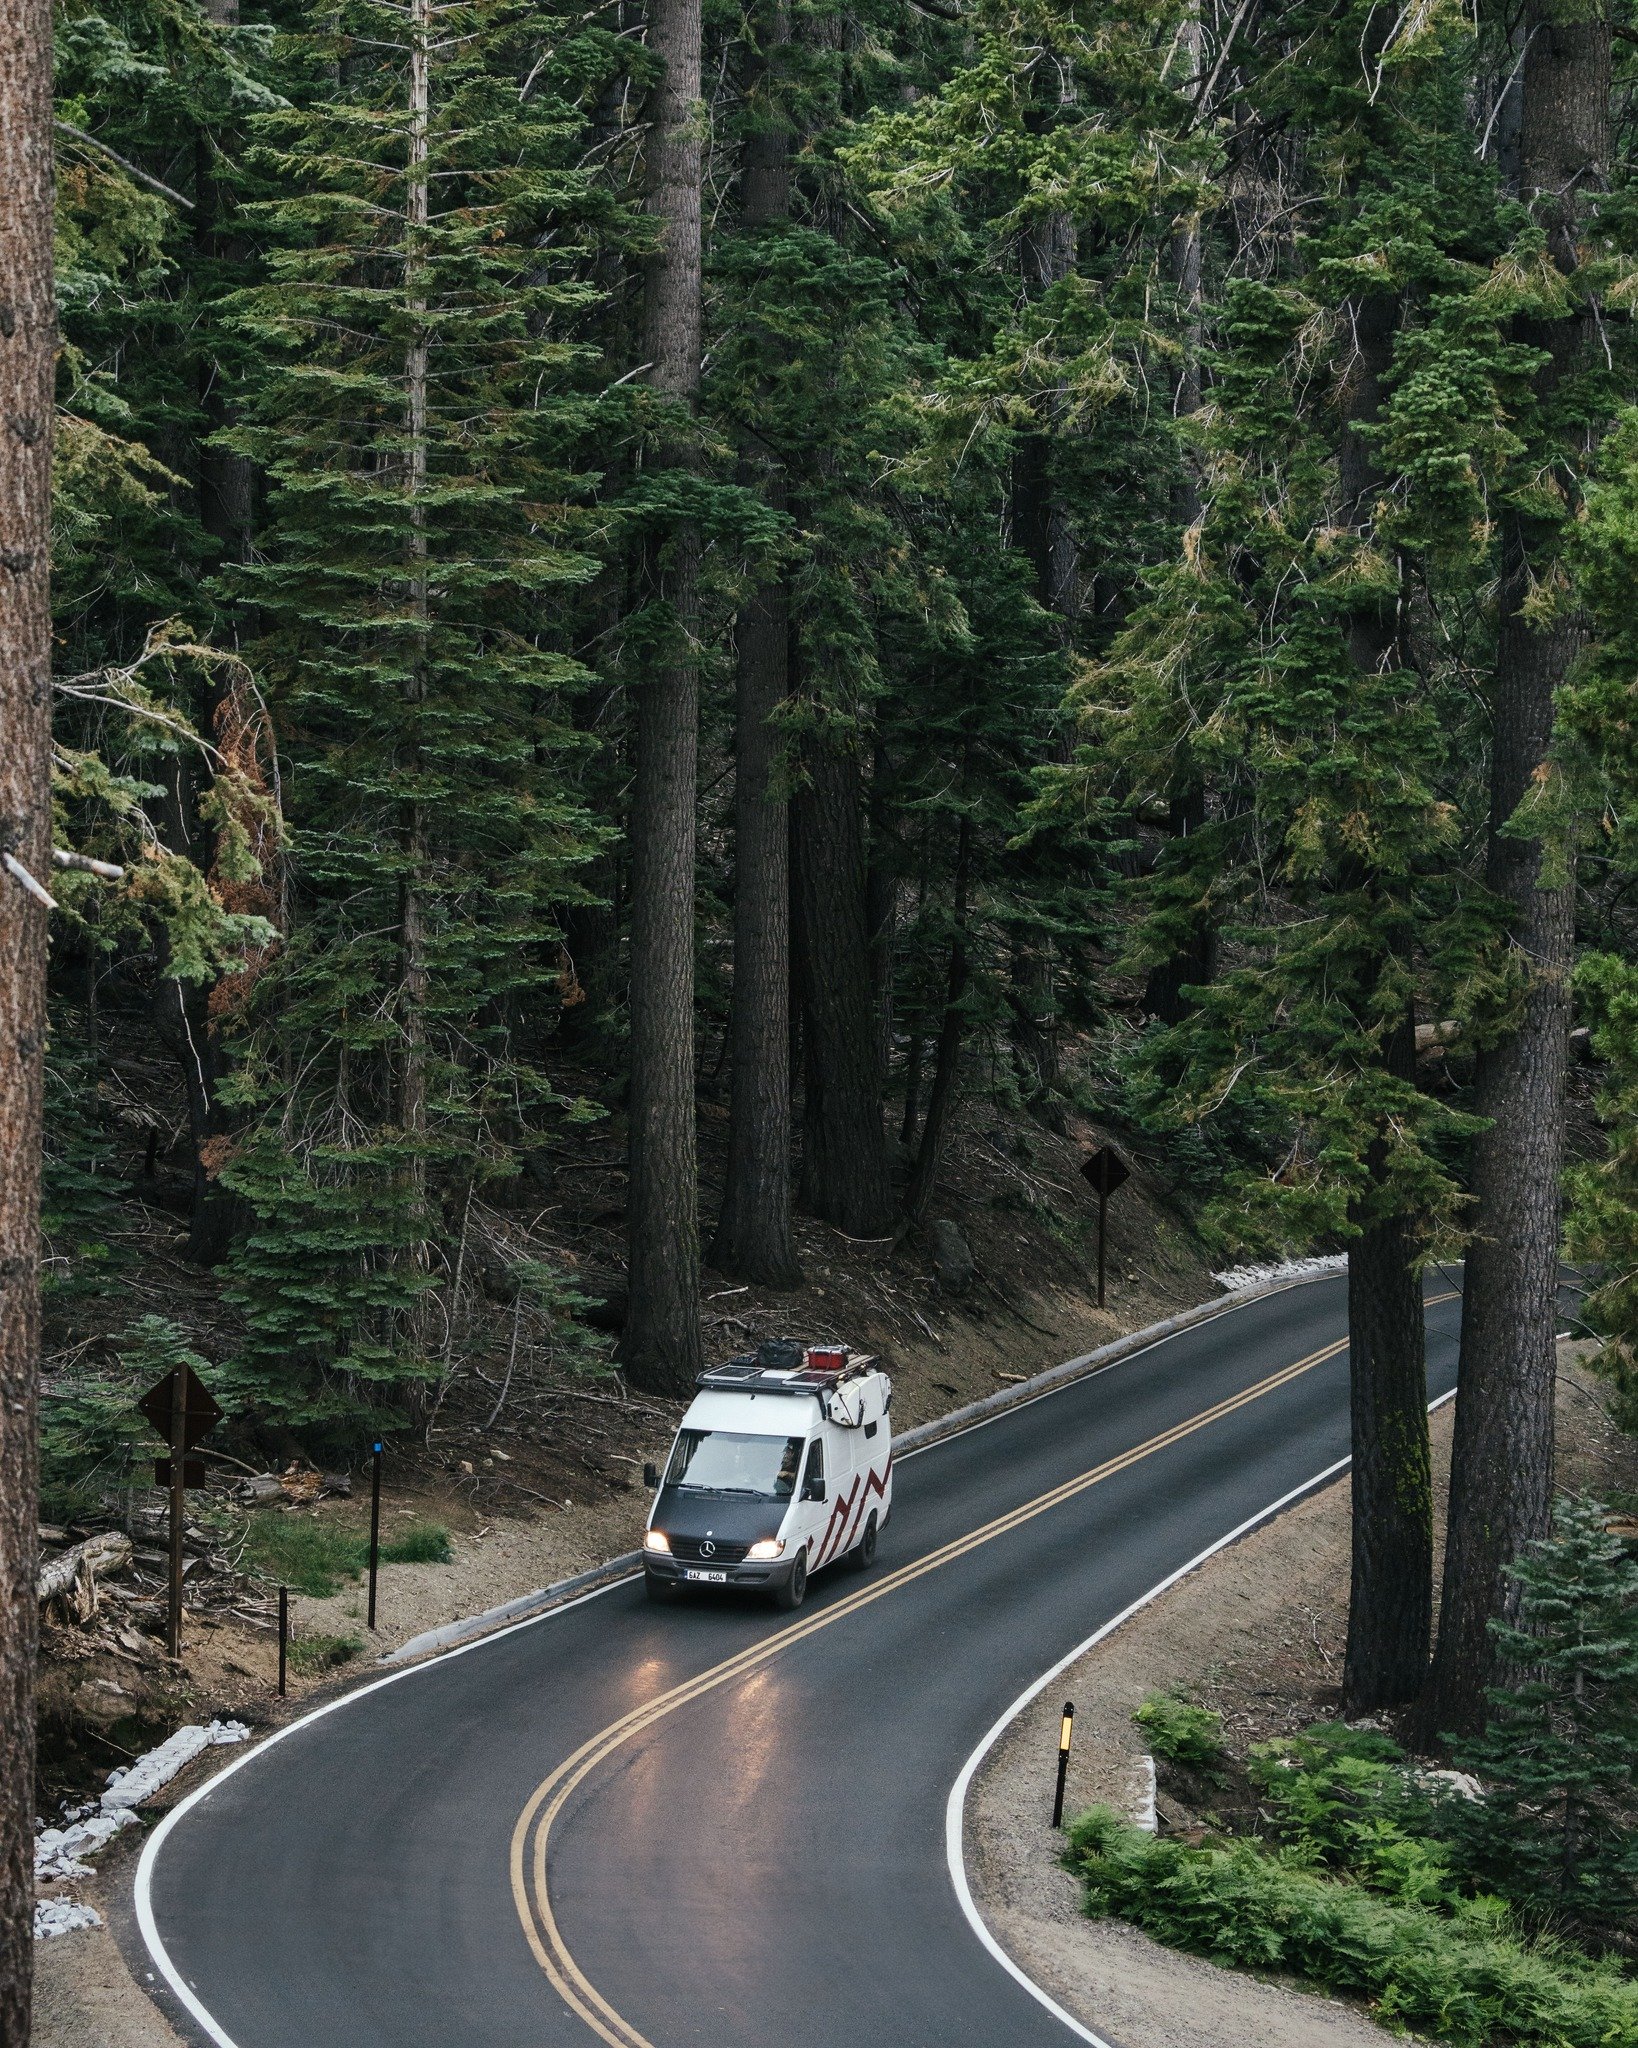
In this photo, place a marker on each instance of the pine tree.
(413, 414)
(753, 1238)
(1502, 1455)
(1557, 1827)
(1279, 665)
(661, 1342)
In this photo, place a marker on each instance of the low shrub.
(1465, 1976)
(322, 1653)
(1341, 1799)
(421, 1543)
(1183, 1734)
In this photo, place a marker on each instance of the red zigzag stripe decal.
(837, 1529)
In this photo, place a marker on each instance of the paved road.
(740, 1818)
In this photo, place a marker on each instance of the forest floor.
(1256, 1635)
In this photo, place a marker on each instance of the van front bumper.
(666, 1571)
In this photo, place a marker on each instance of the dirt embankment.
(1257, 1635)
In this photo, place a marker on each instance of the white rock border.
(57, 1851)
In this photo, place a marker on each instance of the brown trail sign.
(1106, 1170)
(183, 1410)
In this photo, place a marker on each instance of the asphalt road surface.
(708, 1824)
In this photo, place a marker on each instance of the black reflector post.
(375, 1522)
(1066, 1735)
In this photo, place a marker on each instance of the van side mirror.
(651, 1475)
(814, 1490)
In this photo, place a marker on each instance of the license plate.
(708, 1578)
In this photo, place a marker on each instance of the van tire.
(863, 1554)
(660, 1591)
(790, 1595)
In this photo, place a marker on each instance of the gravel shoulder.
(1257, 1634)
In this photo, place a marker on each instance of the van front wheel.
(790, 1595)
(863, 1554)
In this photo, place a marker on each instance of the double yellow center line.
(530, 1885)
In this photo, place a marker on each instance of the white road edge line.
(955, 1807)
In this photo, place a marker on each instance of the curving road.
(707, 1825)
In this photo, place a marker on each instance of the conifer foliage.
(411, 419)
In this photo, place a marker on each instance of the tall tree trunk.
(1195, 961)
(27, 342)
(1390, 1601)
(591, 931)
(882, 906)
(844, 1152)
(941, 1097)
(410, 1078)
(1041, 524)
(1502, 1459)
(753, 1237)
(1390, 1605)
(227, 482)
(661, 1344)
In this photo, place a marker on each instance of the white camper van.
(783, 1464)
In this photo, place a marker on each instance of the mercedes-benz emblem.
(708, 1548)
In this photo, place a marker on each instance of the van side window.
(816, 1462)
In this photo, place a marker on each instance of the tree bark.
(1040, 519)
(1195, 962)
(941, 1097)
(1390, 1605)
(1502, 1457)
(27, 343)
(661, 1344)
(844, 1152)
(1390, 1602)
(753, 1237)
(410, 1076)
(227, 482)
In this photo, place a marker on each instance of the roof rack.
(822, 1367)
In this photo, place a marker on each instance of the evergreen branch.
(130, 169)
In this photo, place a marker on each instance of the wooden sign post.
(1106, 1170)
(183, 1410)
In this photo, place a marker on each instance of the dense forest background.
(857, 557)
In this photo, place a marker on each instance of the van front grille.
(691, 1550)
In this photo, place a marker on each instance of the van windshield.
(722, 1461)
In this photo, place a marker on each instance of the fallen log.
(71, 1577)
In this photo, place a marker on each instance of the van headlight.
(656, 1539)
(770, 1546)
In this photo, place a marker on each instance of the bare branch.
(130, 169)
